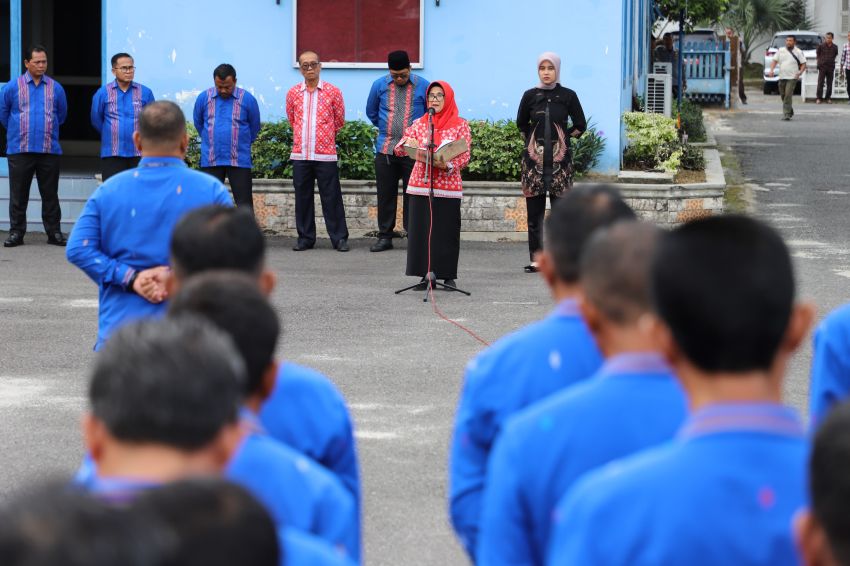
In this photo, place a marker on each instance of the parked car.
(807, 41)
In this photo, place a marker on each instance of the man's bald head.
(162, 125)
(615, 269)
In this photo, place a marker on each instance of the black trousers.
(445, 237)
(389, 169)
(241, 183)
(110, 166)
(45, 167)
(536, 207)
(305, 175)
(825, 76)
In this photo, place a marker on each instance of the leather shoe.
(422, 285)
(301, 246)
(14, 240)
(57, 239)
(342, 245)
(450, 283)
(382, 245)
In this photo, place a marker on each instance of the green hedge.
(496, 150)
(654, 144)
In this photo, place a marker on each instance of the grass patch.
(737, 198)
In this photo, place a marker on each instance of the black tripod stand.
(430, 279)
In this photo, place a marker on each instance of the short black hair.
(829, 482)
(615, 268)
(574, 218)
(162, 122)
(217, 237)
(223, 71)
(37, 48)
(791, 36)
(725, 287)
(55, 525)
(234, 304)
(214, 521)
(830, 34)
(176, 382)
(117, 56)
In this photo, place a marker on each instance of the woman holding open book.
(549, 116)
(436, 248)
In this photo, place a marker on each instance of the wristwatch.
(131, 282)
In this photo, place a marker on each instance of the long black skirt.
(445, 238)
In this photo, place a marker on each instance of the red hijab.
(448, 117)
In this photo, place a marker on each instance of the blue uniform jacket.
(32, 114)
(725, 491)
(306, 412)
(227, 126)
(830, 382)
(126, 227)
(115, 116)
(380, 107)
(634, 402)
(302, 549)
(518, 370)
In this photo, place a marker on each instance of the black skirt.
(445, 238)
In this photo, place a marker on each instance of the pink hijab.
(556, 61)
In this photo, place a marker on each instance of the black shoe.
(301, 246)
(382, 245)
(342, 245)
(14, 240)
(530, 268)
(422, 285)
(450, 283)
(57, 239)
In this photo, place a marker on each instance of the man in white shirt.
(791, 63)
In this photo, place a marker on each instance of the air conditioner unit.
(659, 90)
(662, 68)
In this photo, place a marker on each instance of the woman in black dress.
(548, 116)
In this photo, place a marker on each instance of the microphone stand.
(431, 278)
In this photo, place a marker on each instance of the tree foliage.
(751, 19)
(697, 11)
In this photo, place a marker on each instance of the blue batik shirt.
(830, 382)
(126, 227)
(392, 109)
(227, 126)
(306, 412)
(298, 492)
(32, 114)
(725, 491)
(115, 115)
(518, 370)
(633, 402)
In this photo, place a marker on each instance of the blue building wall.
(486, 49)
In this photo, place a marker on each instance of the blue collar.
(567, 308)
(162, 162)
(251, 421)
(29, 78)
(635, 362)
(767, 418)
(119, 490)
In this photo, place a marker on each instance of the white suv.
(807, 41)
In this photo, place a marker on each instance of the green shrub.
(693, 158)
(653, 141)
(496, 150)
(692, 121)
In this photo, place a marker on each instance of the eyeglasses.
(436, 96)
(310, 65)
(125, 69)
(401, 75)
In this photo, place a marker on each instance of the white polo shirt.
(788, 67)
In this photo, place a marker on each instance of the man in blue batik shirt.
(115, 111)
(395, 101)
(633, 402)
(121, 238)
(228, 120)
(726, 490)
(533, 362)
(830, 381)
(32, 108)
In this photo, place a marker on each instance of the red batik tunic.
(447, 182)
(316, 117)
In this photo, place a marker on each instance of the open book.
(444, 153)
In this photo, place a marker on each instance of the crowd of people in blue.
(640, 423)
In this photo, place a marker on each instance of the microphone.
(431, 111)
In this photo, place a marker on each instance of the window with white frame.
(358, 33)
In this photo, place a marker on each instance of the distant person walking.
(792, 63)
(844, 65)
(827, 52)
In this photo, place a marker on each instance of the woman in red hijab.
(448, 189)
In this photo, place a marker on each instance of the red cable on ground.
(436, 309)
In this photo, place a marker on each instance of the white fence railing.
(809, 82)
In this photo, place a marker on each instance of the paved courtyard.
(399, 365)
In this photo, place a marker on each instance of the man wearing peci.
(115, 110)
(31, 110)
(228, 120)
(395, 101)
